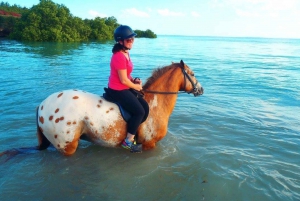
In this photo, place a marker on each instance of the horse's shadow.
(11, 153)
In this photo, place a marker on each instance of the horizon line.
(262, 37)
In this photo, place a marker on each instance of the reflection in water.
(49, 49)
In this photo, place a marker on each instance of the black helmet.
(123, 32)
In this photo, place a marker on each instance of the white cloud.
(270, 5)
(96, 14)
(217, 3)
(243, 13)
(278, 5)
(263, 8)
(195, 14)
(135, 12)
(167, 12)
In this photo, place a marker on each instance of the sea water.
(240, 140)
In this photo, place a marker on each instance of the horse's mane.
(158, 72)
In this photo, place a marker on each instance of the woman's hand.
(137, 81)
(138, 87)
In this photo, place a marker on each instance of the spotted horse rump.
(64, 116)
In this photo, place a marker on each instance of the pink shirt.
(119, 62)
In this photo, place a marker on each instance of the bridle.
(177, 92)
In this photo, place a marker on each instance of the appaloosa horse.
(65, 116)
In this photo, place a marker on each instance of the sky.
(229, 18)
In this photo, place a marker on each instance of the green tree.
(48, 21)
(102, 28)
(145, 34)
(14, 8)
(112, 24)
(83, 30)
(9, 16)
(7, 25)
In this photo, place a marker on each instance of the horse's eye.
(192, 74)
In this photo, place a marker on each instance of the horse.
(65, 117)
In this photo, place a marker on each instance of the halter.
(170, 92)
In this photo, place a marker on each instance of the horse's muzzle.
(198, 91)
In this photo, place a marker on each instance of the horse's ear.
(182, 64)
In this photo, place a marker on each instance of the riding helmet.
(123, 32)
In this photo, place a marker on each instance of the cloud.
(278, 5)
(167, 12)
(135, 12)
(149, 10)
(257, 4)
(243, 13)
(217, 4)
(96, 14)
(195, 14)
(263, 8)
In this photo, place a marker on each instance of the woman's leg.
(131, 104)
(146, 108)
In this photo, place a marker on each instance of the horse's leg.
(43, 141)
(150, 136)
(149, 145)
(72, 146)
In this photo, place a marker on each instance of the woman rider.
(121, 83)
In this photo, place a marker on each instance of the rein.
(162, 92)
(178, 92)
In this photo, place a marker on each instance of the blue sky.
(241, 18)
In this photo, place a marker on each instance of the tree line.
(48, 21)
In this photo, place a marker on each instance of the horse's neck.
(164, 103)
(161, 103)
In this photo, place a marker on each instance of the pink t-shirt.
(119, 62)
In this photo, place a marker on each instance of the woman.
(121, 83)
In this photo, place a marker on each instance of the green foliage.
(9, 16)
(102, 28)
(145, 34)
(7, 25)
(48, 21)
(12, 8)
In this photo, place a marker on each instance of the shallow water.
(239, 141)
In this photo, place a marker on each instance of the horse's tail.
(43, 143)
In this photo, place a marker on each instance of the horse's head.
(190, 83)
(164, 81)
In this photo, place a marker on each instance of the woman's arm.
(124, 80)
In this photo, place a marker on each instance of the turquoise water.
(239, 141)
